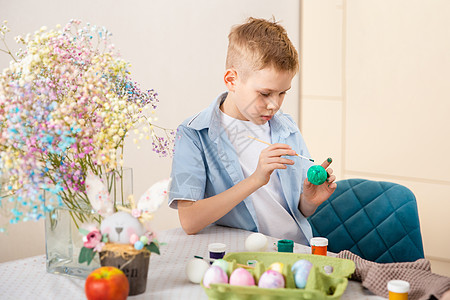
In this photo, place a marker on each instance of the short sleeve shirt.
(206, 164)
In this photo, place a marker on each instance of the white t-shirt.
(269, 202)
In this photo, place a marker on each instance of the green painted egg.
(317, 175)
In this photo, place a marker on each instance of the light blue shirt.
(206, 164)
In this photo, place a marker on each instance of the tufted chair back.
(375, 220)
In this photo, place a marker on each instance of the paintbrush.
(310, 159)
(211, 260)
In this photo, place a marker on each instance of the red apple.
(107, 283)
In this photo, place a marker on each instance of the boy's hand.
(314, 195)
(270, 159)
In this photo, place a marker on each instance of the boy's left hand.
(314, 195)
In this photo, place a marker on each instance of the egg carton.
(318, 286)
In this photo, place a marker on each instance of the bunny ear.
(98, 195)
(152, 199)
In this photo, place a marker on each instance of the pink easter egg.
(241, 276)
(271, 279)
(214, 274)
(134, 238)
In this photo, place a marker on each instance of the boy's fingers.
(329, 171)
(333, 185)
(280, 146)
(280, 160)
(327, 163)
(275, 150)
(281, 152)
(331, 179)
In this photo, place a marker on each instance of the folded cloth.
(375, 276)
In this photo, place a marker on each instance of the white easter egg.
(256, 242)
(195, 269)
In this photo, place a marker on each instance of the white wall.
(377, 73)
(176, 47)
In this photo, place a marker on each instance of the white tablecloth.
(28, 279)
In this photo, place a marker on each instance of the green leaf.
(105, 238)
(152, 248)
(83, 231)
(86, 255)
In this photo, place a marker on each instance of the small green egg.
(317, 175)
(144, 239)
(221, 263)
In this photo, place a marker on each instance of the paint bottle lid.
(285, 246)
(398, 286)
(319, 242)
(217, 247)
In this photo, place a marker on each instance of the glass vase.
(63, 242)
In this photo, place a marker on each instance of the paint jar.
(216, 250)
(398, 289)
(319, 246)
(252, 263)
(285, 246)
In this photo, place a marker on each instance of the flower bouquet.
(67, 103)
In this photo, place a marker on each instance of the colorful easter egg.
(144, 239)
(138, 245)
(241, 276)
(317, 175)
(271, 279)
(301, 269)
(214, 274)
(277, 266)
(223, 264)
(134, 238)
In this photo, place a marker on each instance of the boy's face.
(259, 96)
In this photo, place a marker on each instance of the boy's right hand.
(270, 159)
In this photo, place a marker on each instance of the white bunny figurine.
(123, 225)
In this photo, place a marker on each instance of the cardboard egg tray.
(318, 286)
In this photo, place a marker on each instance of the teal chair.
(375, 220)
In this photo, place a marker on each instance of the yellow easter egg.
(277, 266)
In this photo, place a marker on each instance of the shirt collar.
(282, 124)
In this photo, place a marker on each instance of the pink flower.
(150, 236)
(136, 212)
(93, 239)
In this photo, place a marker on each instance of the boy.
(220, 175)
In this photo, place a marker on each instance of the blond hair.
(259, 44)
